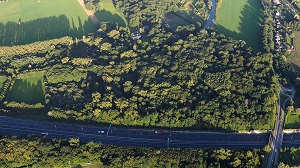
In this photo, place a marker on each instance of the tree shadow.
(107, 16)
(12, 33)
(251, 19)
(249, 27)
(27, 92)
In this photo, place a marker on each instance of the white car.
(101, 132)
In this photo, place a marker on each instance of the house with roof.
(135, 35)
(276, 2)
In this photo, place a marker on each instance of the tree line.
(32, 151)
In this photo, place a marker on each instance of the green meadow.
(28, 88)
(25, 21)
(242, 20)
(109, 13)
(2, 80)
(292, 121)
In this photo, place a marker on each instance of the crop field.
(25, 21)
(28, 88)
(292, 121)
(241, 19)
(2, 80)
(294, 59)
(109, 13)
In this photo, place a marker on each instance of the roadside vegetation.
(242, 20)
(40, 152)
(289, 157)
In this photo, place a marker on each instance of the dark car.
(159, 132)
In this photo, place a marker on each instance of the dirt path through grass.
(90, 13)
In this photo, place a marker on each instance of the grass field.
(28, 88)
(241, 19)
(2, 80)
(294, 59)
(292, 121)
(42, 21)
(110, 14)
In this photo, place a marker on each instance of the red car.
(159, 132)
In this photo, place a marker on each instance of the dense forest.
(39, 152)
(188, 79)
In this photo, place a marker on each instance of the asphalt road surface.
(133, 137)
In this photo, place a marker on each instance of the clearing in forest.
(26, 21)
(110, 13)
(28, 88)
(292, 121)
(242, 20)
(174, 21)
(2, 80)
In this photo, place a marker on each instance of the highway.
(277, 134)
(140, 137)
(134, 137)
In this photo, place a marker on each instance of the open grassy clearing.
(42, 21)
(292, 121)
(28, 88)
(110, 14)
(174, 21)
(294, 59)
(2, 80)
(241, 19)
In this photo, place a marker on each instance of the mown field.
(28, 88)
(2, 80)
(294, 59)
(292, 121)
(42, 21)
(241, 19)
(110, 14)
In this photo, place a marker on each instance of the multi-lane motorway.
(277, 134)
(133, 137)
(141, 137)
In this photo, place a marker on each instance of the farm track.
(90, 13)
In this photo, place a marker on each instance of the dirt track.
(90, 13)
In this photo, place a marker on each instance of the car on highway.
(101, 132)
(44, 133)
(159, 132)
